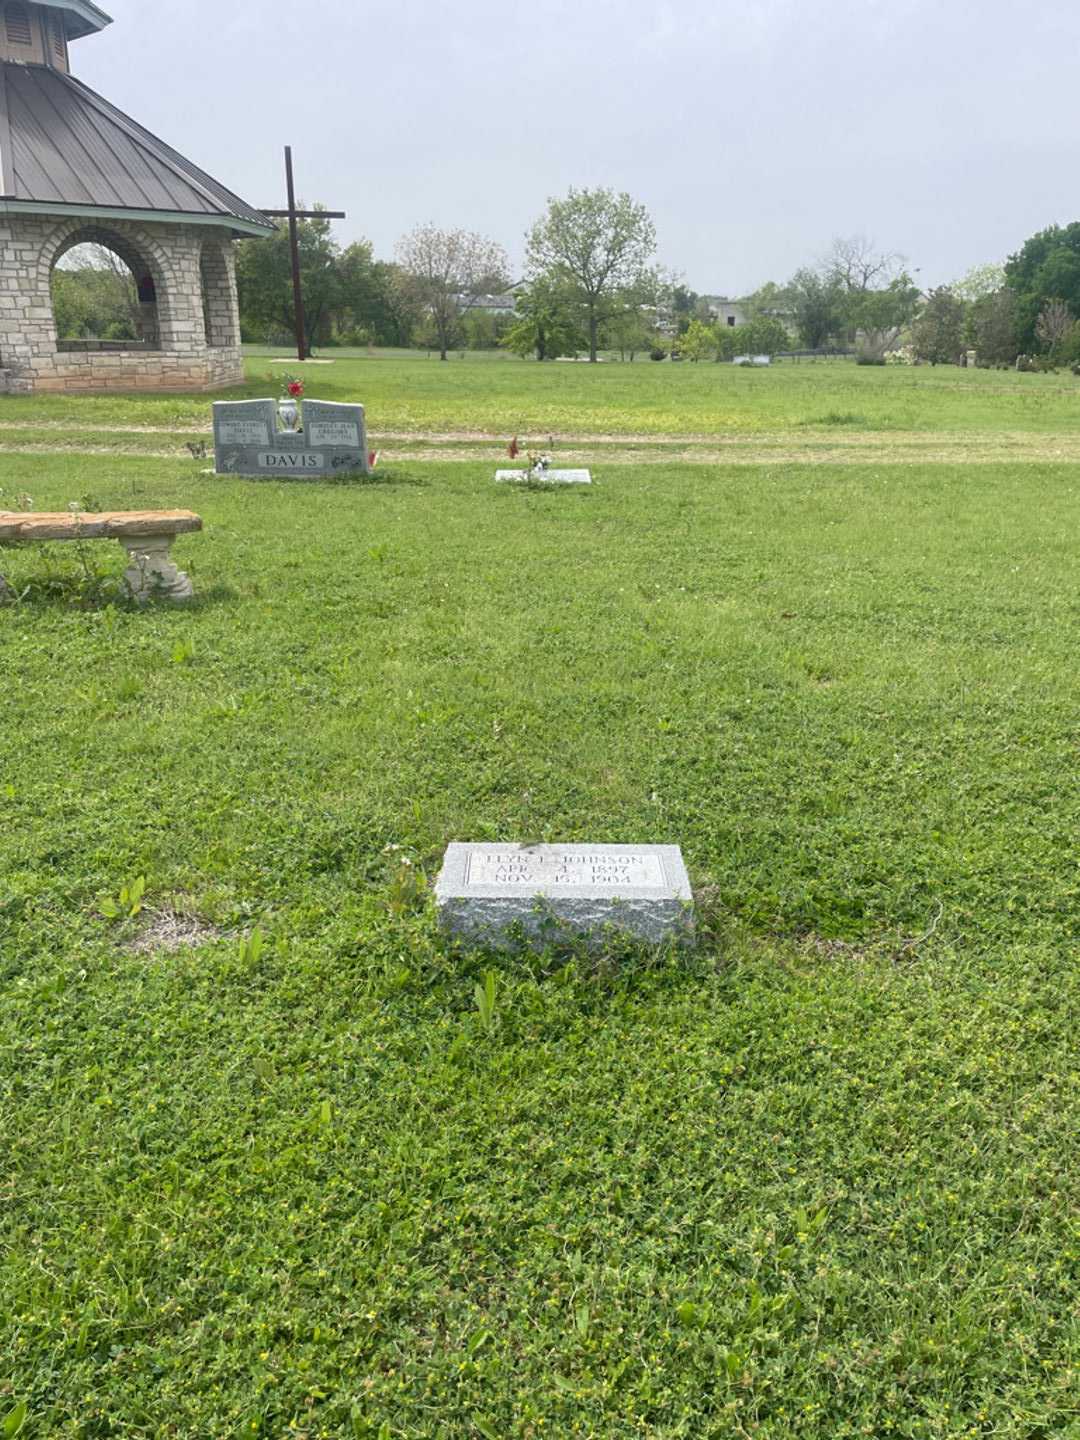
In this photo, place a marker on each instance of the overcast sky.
(754, 130)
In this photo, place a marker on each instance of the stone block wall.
(178, 258)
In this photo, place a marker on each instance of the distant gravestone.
(547, 477)
(247, 440)
(489, 894)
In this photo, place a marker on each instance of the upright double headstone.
(247, 440)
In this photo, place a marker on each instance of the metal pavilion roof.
(66, 150)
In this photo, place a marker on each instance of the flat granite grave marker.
(247, 440)
(547, 477)
(487, 891)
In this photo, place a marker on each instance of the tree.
(446, 271)
(817, 302)
(878, 316)
(683, 307)
(264, 281)
(369, 308)
(980, 281)
(769, 299)
(1054, 325)
(878, 296)
(485, 330)
(641, 316)
(856, 265)
(88, 304)
(938, 334)
(1047, 267)
(596, 243)
(992, 328)
(95, 296)
(764, 335)
(699, 341)
(123, 284)
(630, 329)
(546, 322)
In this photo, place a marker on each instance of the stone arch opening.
(219, 310)
(104, 294)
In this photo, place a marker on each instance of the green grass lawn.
(816, 1180)
(503, 397)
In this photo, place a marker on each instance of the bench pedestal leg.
(151, 571)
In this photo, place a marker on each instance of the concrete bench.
(146, 535)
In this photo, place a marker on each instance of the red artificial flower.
(296, 388)
(515, 449)
(372, 459)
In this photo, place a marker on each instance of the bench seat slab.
(114, 525)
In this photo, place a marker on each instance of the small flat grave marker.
(485, 892)
(547, 477)
(248, 442)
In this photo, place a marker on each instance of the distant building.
(734, 313)
(726, 312)
(488, 304)
(494, 304)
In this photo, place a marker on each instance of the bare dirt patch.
(164, 932)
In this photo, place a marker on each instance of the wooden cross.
(292, 214)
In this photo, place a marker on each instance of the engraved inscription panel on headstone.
(243, 432)
(489, 893)
(341, 428)
(563, 868)
(333, 432)
(241, 429)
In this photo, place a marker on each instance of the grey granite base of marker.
(494, 896)
(546, 477)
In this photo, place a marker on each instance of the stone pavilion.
(75, 169)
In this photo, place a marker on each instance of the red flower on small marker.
(372, 459)
(514, 449)
(296, 389)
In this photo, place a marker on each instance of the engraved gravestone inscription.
(564, 867)
(239, 426)
(291, 460)
(333, 432)
(244, 432)
(338, 432)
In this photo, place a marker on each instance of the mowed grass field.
(484, 395)
(264, 1171)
